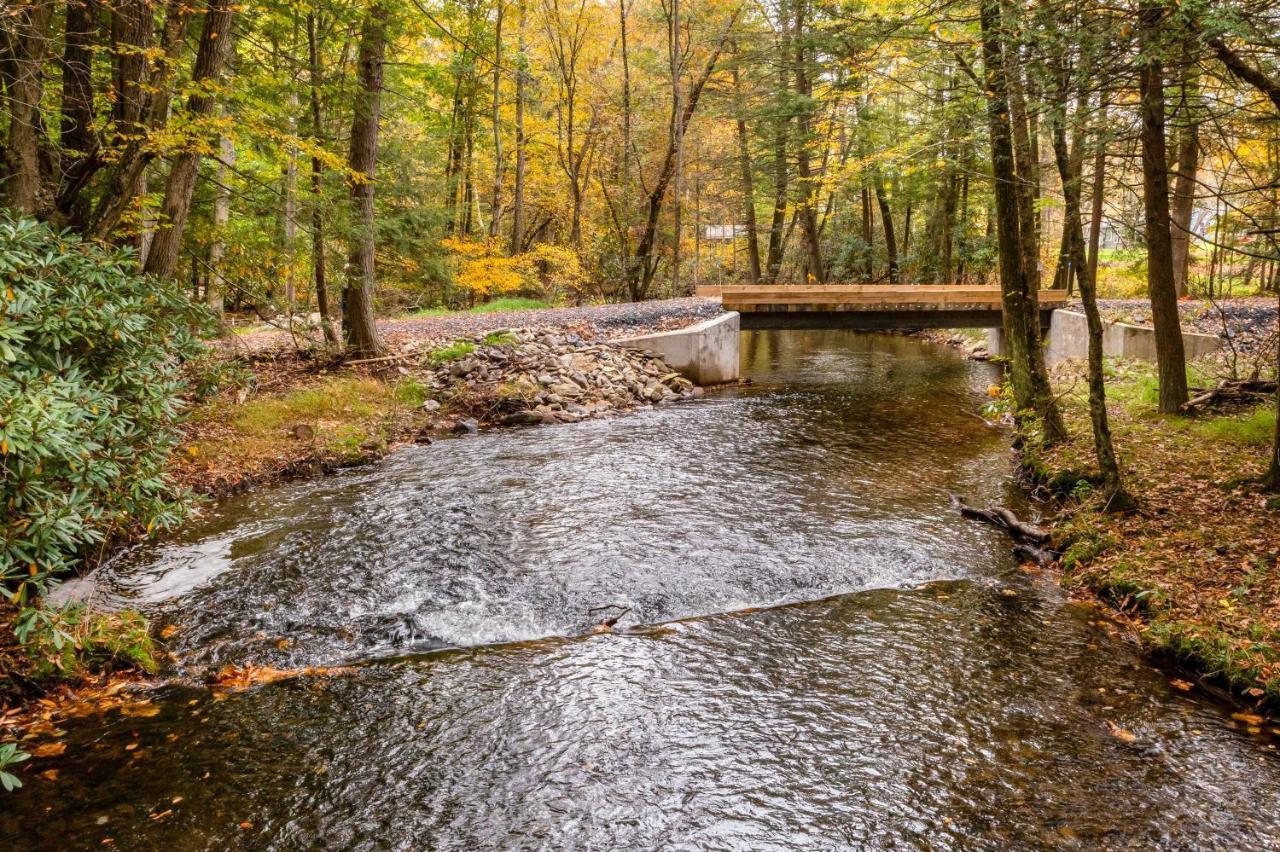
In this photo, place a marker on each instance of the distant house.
(723, 232)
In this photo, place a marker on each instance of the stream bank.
(1194, 574)
(298, 414)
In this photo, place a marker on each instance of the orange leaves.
(49, 749)
(243, 677)
(1122, 734)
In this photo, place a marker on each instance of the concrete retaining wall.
(706, 353)
(1069, 338)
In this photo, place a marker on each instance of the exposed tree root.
(1029, 539)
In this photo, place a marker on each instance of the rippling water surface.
(819, 653)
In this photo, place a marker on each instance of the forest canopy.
(635, 147)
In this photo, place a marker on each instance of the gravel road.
(596, 322)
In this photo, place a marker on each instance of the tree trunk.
(781, 124)
(1029, 377)
(136, 111)
(359, 326)
(906, 230)
(1272, 479)
(1026, 169)
(677, 133)
(216, 280)
(962, 221)
(517, 200)
(1184, 188)
(79, 143)
(495, 203)
(318, 266)
(1071, 171)
(624, 218)
(808, 182)
(468, 171)
(748, 182)
(886, 219)
(210, 56)
(868, 234)
(28, 36)
(1099, 188)
(291, 205)
(1170, 356)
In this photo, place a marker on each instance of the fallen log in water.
(1029, 539)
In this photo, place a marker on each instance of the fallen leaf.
(1183, 685)
(1120, 733)
(1247, 718)
(49, 750)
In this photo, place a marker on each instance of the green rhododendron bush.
(95, 360)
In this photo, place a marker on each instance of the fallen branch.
(1029, 539)
(399, 357)
(606, 624)
(1248, 389)
(1006, 520)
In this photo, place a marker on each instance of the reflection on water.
(913, 689)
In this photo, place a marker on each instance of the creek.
(819, 653)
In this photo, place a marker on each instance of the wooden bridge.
(873, 307)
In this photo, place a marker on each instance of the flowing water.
(819, 653)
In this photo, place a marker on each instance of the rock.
(466, 426)
(697, 392)
(431, 405)
(566, 389)
(522, 418)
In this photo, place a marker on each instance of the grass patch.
(1254, 429)
(497, 306)
(499, 338)
(452, 352)
(411, 392)
(232, 443)
(337, 398)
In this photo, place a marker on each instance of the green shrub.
(92, 374)
(9, 755)
(62, 642)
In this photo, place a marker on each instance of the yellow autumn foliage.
(480, 268)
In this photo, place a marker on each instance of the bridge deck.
(872, 306)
